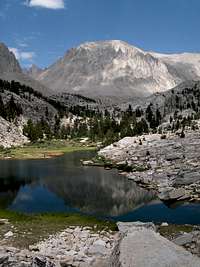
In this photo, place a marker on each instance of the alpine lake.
(62, 185)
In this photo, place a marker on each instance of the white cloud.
(27, 55)
(21, 44)
(21, 55)
(51, 4)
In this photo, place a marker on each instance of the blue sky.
(40, 31)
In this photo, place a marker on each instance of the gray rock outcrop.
(10, 134)
(142, 247)
(171, 166)
(75, 246)
(8, 62)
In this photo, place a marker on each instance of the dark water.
(63, 185)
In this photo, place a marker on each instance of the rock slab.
(142, 247)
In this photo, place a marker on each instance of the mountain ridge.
(116, 70)
(10, 69)
(8, 61)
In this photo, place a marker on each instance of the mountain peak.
(108, 69)
(116, 45)
(8, 62)
(115, 70)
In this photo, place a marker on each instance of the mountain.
(118, 71)
(111, 69)
(10, 70)
(8, 62)
(107, 70)
(185, 66)
(33, 71)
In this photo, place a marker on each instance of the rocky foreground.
(168, 164)
(75, 246)
(135, 245)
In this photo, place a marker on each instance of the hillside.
(18, 104)
(184, 100)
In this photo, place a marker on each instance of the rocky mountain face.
(11, 134)
(185, 66)
(118, 71)
(11, 70)
(111, 69)
(19, 103)
(8, 62)
(28, 105)
(33, 71)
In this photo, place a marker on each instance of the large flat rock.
(171, 166)
(141, 247)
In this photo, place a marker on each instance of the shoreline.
(54, 238)
(28, 229)
(79, 240)
(46, 150)
(26, 232)
(169, 166)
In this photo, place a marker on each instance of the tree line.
(99, 125)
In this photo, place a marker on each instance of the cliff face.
(10, 70)
(8, 62)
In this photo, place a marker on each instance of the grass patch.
(47, 149)
(30, 229)
(102, 162)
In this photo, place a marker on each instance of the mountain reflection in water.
(62, 184)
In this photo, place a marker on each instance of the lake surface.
(62, 185)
